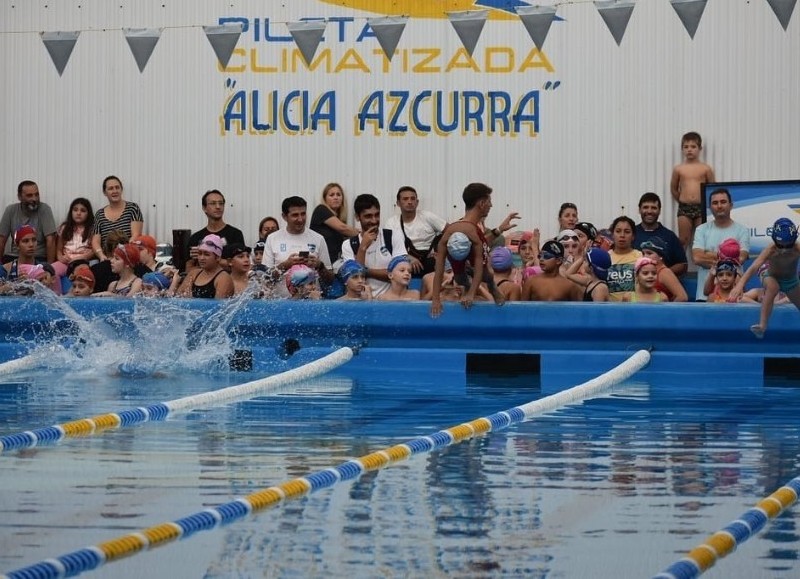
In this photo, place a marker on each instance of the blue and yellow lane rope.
(162, 410)
(725, 541)
(90, 558)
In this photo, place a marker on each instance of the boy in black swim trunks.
(686, 186)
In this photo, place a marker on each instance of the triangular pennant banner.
(223, 39)
(783, 10)
(690, 12)
(60, 45)
(537, 21)
(307, 36)
(142, 42)
(616, 14)
(388, 30)
(469, 26)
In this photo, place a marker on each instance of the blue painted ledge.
(600, 333)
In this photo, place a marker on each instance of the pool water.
(618, 486)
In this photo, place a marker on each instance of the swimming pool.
(616, 486)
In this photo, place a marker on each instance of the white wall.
(609, 132)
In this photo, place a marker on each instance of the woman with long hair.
(74, 240)
(330, 219)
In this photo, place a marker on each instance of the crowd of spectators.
(412, 255)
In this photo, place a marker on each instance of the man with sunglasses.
(550, 285)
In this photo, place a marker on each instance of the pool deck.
(564, 337)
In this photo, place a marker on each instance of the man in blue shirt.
(650, 211)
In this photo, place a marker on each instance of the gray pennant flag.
(469, 26)
(388, 30)
(223, 39)
(60, 45)
(783, 10)
(616, 14)
(142, 42)
(307, 36)
(537, 21)
(690, 12)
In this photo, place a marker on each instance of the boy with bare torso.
(686, 186)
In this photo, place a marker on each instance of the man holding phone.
(374, 247)
(295, 245)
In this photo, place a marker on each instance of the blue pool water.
(619, 486)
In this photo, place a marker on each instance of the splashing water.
(160, 336)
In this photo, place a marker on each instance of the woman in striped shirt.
(119, 215)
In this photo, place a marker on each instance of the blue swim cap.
(730, 265)
(350, 268)
(157, 279)
(599, 260)
(784, 232)
(397, 260)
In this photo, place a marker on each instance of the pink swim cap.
(729, 249)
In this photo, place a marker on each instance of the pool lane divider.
(90, 558)
(17, 365)
(724, 542)
(163, 410)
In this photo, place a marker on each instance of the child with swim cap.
(82, 282)
(399, 270)
(123, 260)
(591, 272)
(354, 278)
(154, 284)
(781, 273)
(505, 274)
(646, 275)
(301, 281)
(721, 281)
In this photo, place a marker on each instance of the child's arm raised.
(762, 258)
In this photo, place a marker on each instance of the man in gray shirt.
(29, 211)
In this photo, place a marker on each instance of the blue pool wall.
(567, 337)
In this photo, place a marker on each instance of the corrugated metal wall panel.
(609, 132)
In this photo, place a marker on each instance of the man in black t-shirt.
(214, 208)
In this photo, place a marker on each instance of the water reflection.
(620, 485)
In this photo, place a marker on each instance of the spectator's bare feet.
(757, 330)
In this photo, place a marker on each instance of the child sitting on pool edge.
(82, 282)
(399, 270)
(780, 275)
(154, 284)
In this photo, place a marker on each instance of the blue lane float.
(162, 410)
(91, 557)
